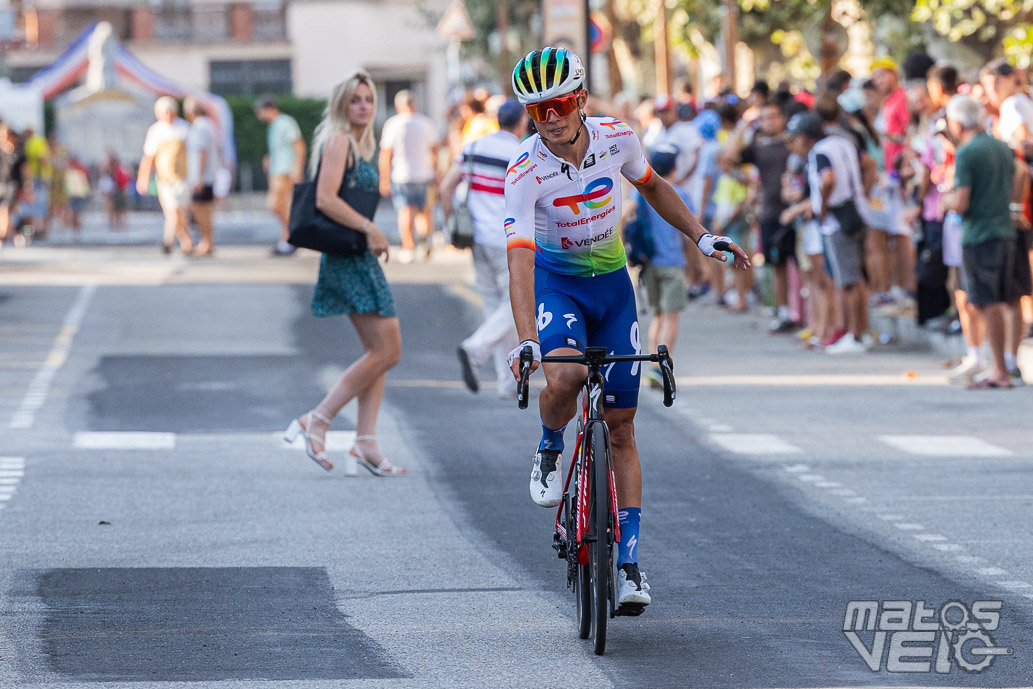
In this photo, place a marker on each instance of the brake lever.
(526, 357)
(667, 373)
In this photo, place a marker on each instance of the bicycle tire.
(583, 578)
(600, 555)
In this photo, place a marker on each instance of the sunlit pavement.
(156, 530)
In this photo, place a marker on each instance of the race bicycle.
(587, 527)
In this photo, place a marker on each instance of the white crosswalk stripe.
(944, 446)
(754, 444)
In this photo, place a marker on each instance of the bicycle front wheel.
(601, 560)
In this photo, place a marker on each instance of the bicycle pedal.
(630, 610)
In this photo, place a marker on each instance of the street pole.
(588, 45)
(731, 38)
(502, 26)
(661, 51)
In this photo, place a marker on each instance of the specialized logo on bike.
(929, 639)
(568, 243)
(597, 195)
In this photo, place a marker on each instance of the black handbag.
(310, 228)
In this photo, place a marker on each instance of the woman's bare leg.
(381, 338)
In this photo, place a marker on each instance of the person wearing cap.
(668, 131)
(663, 273)
(481, 168)
(165, 153)
(888, 243)
(988, 190)
(834, 175)
(284, 165)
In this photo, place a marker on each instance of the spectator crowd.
(905, 191)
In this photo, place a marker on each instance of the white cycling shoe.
(632, 589)
(545, 487)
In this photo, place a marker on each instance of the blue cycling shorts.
(599, 311)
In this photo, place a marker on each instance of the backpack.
(638, 237)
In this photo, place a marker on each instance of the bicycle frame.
(586, 552)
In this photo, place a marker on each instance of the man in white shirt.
(837, 195)
(202, 165)
(164, 153)
(666, 131)
(1015, 124)
(408, 166)
(482, 168)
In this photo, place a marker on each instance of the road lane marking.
(1015, 584)
(797, 468)
(944, 446)
(754, 444)
(123, 440)
(11, 471)
(930, 537)
(335, 440)
(39, 388)
(909, 527)
(948, 547)
(992, 572)
(811, 478)
(828, 484)
(812, 380)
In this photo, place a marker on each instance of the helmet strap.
(580, 127)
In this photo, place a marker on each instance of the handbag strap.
(349, 166)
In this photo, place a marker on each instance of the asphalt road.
(154, 530)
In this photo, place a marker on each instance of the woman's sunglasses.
(562, 106)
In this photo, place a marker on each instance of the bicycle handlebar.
(662, 357)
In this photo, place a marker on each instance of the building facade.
(253, 47)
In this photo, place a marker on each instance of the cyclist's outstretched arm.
(662, 196)
(521, 297)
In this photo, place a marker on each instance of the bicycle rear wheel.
(600, 555)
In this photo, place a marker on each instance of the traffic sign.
(456, 23)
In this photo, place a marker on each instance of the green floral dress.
(354, 284)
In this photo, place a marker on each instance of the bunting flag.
(70, 67)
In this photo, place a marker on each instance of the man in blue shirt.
(664, 274)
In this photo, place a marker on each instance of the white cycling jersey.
(570, 216)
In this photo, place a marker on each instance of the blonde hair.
(335, 121)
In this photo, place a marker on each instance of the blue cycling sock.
(629, 519)
(552, 439)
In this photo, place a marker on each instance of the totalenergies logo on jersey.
(508, 226)
(520, 163)
(617, 128)
(597, 195)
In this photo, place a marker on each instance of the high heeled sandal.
(385, 468)
(296, 429)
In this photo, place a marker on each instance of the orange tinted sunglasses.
(562, 106)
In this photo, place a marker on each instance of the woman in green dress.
(352, 285)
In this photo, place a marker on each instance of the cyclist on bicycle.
(568, 281)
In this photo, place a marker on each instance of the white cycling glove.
(707, 241)
(536, 350)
